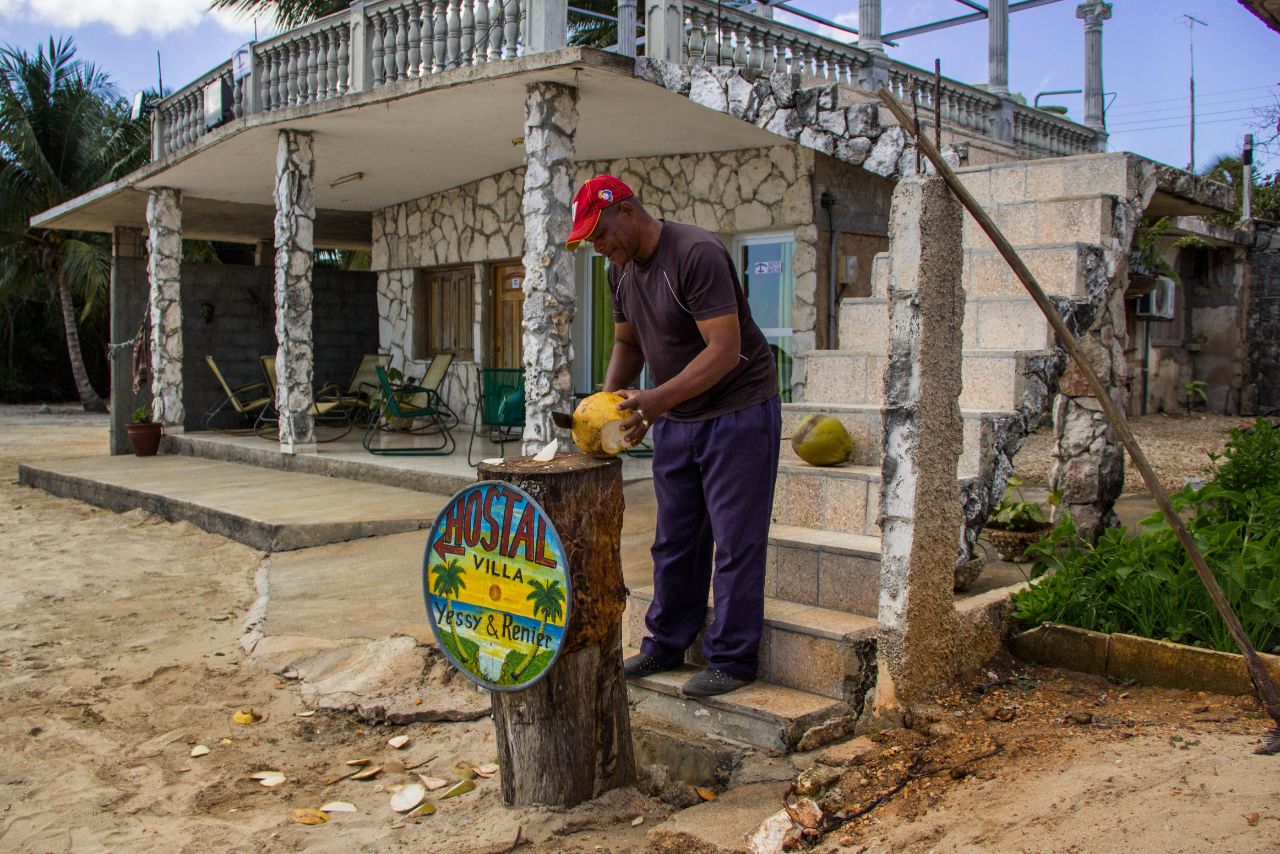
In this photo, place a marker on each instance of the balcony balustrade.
(385, 43)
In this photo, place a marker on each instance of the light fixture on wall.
(346, 179)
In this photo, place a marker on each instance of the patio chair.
(327, 411)
(246, 400)
(499, 413)
(408, 404)
(363, 388)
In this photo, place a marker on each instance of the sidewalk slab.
(263, 508)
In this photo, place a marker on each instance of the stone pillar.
(295, 243)
(129, 304)
(1093, 13)
(548, 25)
(551, 119)
(664, 30)
(1088, 465)
(869, 26)
(164, 270)
(998, 47)
(923, 433)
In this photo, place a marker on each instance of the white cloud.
(127, 17)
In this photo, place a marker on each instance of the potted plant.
(144, 434)
(1016, 524)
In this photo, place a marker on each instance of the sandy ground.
(119, 640)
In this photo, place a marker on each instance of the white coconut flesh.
(613, 437)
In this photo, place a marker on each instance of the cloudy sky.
(1237, 59)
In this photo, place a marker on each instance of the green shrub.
(1145, 584)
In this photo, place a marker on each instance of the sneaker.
(640, 666)
(711, 682)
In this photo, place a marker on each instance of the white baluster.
(389, 43)
(468, 29)
(483, 35)
(439, 27)
(415, 41)
(315, 67)
(291, 73)
(697, 40)
(375, 20)
(280, 79)
(330, 54)
(344, 59)
(510, 28)
(454, 38)
(402, 43)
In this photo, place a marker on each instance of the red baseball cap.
(594, 196)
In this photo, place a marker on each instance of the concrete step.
(992, 378)
(1026, 224)
(829, 569)
(763, 715)
(1061, 270)
(1004, 323)
(1052, 178)
(818, 651)
(833, 498)
(863, 421)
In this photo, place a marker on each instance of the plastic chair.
(410, 403)
(246, 400)
(499, 415)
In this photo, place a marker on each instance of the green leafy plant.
(1146, 257)
(142, 415)
(1194, 395)
(1018, 514)
(1145, 584)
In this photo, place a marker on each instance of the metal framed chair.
(362, 390)
(499, 415)
(410, 403)
(327, 411)
(246, 400)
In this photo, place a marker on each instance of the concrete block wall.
(229, 313)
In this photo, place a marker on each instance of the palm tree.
(287, 13)
(548, 601)
(449, 584)
(63, 132)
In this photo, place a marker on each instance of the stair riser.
(826, 666)
(864, 428)
(1059, 270)
(1049, 179)
(1030, 224)
(990, 382)
(1004, 324)
(814, 498)
(810, 576)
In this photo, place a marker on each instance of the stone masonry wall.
(164, 220)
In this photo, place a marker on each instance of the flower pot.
(145, 438)
(968, 573)
(1012, 545)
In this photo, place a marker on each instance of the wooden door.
(508, 316)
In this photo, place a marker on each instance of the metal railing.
(386, 42)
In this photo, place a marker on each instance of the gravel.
(1176, 446)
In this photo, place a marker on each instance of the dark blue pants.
(714, 482)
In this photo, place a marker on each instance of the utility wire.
(1198, 96)
(1179, 125)
(1242, 111)
(1183, 107)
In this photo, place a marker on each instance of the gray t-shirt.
(690, 277)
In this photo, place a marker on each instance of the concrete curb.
(1149, 662)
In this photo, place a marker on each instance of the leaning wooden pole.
(1262, 681)
(567, 738)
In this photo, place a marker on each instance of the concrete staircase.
(818, 652)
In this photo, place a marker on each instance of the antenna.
(159, 76)
(1190, 22)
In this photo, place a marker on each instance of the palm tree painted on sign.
(448, 583)
(548, 604)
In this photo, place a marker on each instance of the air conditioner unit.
(1157, 303)
(218, 104)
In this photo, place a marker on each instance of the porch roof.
(409, 140)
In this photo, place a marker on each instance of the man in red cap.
(716, 421)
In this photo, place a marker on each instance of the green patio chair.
(499, 415)
(409, 404)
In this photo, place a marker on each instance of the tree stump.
(567, 738)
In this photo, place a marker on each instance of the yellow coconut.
(821, 440)
(597, 425)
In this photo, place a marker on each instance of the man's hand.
(644, 407)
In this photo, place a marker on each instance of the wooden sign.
(496, 586)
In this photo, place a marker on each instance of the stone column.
(164, 270)
(295, 243)
(869, 26)
(551, 119)
(664, 30)
(1093, 13)
(998, 47)
(129, 304)
(921, 518)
